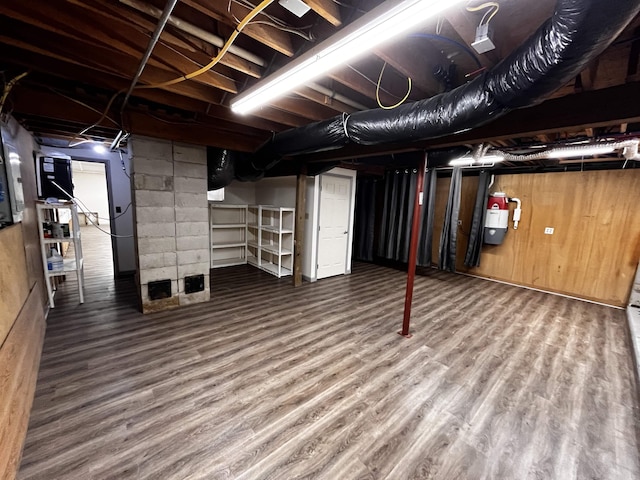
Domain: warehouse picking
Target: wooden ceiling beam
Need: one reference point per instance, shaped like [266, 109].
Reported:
[325, 100]
[327, 9]
[415, 62]
[270, 36]
[95, 55]
[49, 105]
[114, 66]
[186, 44]
[349, 78]
[303, 108]
[114, 83]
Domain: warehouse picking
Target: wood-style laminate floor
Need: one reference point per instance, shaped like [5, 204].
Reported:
[271, 382]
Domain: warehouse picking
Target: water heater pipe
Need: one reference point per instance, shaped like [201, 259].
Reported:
[516, 212]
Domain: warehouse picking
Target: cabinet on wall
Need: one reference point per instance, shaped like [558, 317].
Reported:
[270, 238]
[228, 234]
[64, 216]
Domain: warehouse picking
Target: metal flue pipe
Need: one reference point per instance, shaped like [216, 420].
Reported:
[152, 43]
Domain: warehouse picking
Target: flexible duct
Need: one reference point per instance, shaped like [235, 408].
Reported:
[577, 32]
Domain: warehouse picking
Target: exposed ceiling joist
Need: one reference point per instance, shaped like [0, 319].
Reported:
[265, 34]
[327, 9]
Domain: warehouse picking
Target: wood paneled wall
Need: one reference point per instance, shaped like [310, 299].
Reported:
[14, 283]
[22, 310]
[19, 362]
[595, 247]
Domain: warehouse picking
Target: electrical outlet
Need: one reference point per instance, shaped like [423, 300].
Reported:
[548, 230]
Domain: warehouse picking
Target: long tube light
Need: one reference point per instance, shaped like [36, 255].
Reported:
[581, 151]
[469, 160]
[382, 23]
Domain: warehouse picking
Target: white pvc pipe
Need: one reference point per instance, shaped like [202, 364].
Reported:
[240, 52]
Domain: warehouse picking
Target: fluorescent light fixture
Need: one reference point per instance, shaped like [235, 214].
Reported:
[99, 148]
[580, 151]
[379, 25]
[468, 160]
[462, 162]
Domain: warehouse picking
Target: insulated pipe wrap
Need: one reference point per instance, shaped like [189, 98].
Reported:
[577, 32]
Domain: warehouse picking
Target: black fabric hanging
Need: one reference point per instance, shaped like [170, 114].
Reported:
[449, 236]
[472, 258]
[384, 222]
[395, 227]
[425, 241]
[365, 218]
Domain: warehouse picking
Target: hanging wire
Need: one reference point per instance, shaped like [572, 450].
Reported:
[214, 61]
[489, 14]
[390, 107]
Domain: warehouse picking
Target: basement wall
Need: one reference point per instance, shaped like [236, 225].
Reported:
[595, 248]
[120, 185]
[171, 218]
[22, 311]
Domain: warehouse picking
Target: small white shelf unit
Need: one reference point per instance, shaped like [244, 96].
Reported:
[61, 212]
[270, 238]
[228, 234]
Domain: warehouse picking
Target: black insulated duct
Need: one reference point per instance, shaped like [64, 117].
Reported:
[577, 32]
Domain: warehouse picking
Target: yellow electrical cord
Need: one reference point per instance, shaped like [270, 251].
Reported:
[390, 107]
[250, 16]
[495, 5]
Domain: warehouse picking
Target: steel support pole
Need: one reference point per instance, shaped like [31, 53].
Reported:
[413, 251]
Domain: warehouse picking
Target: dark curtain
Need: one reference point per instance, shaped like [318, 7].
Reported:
[425, 241]
[366, 189]
[397, 216]
[472, 258]
[449, 236]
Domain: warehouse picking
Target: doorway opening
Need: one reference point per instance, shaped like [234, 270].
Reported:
[91, 192]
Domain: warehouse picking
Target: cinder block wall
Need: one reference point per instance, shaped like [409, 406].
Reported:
[171, 212]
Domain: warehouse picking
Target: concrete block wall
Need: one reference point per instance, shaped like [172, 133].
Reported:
[171, 211]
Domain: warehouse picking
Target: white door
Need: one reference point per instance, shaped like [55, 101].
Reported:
[333, 235]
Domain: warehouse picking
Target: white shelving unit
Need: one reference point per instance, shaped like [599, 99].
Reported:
[228, 234]
[57, 213]
[270, 238]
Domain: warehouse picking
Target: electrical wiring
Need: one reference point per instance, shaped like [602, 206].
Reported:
[87, 214]
[390, 107]
[275, 22]
[372, 82]
[489, 14]
[83, 104]
[461, 46]
[124, 169]
[306, 36]
[250, 16]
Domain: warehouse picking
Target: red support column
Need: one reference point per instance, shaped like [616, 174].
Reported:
[413, 251]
